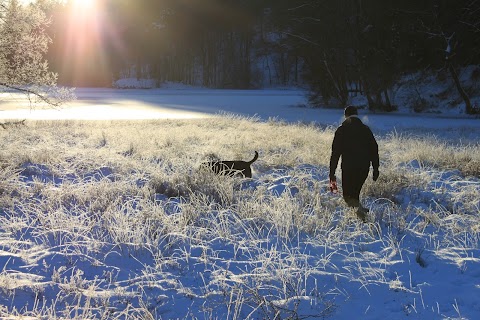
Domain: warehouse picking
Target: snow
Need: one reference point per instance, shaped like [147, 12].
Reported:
[183, 102]
[380, 280]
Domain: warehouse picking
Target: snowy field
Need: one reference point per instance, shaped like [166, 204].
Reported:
[178, 103]
[113, 219]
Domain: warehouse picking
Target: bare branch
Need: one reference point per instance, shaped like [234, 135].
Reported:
[299, 7]
[301, 38]
[8, 124]
[474, 27]
[42, 96]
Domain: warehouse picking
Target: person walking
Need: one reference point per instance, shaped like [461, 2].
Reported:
[355, 144]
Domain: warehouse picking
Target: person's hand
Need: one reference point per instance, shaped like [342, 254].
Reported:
[376, 173]
[333, 184]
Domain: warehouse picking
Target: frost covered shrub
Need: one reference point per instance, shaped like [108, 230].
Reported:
[420, 105]
[429, 151]
[23, 46]
[390, 182]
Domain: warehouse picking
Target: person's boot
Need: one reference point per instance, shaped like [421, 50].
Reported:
[362, 213]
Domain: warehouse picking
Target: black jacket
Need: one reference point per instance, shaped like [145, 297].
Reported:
[357, 146]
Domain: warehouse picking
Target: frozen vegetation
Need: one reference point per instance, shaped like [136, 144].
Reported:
[116, 219]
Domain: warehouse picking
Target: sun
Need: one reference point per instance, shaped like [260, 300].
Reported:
[78, 3]
[84, 32]
[86, 4]
[88, 36]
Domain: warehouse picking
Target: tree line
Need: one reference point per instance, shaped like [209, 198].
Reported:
[364, 46]
[336, 48]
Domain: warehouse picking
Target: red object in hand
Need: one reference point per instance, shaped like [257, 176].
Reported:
[333, 186]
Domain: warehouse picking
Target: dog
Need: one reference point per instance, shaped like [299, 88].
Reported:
[235, 168]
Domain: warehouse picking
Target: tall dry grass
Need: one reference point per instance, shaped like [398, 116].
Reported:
[113, 194]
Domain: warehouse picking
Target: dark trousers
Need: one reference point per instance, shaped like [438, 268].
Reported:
[352, 183]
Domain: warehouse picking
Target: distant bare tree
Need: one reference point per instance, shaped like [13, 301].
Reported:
[449, 55]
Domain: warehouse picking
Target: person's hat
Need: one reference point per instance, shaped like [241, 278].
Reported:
[350, 111]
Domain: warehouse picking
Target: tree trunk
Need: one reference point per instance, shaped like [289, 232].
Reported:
[366, 90]
[388, 103]
[340, 95]
[468, 104]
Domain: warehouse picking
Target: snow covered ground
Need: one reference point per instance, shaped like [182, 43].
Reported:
[188, 103]
[382, 270]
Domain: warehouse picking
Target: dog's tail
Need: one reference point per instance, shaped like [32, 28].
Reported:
[255, 157]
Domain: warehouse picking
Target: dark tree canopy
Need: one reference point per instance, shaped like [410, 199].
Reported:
[334, 47]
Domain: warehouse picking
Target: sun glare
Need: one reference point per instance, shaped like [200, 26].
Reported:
[85, 37]
[85, 4]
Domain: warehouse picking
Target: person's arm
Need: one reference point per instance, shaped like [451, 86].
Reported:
[374, 158]
[336, 153]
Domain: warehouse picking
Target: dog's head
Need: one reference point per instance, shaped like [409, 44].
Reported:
[212, 157]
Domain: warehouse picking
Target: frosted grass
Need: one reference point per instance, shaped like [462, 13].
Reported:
[116, 219]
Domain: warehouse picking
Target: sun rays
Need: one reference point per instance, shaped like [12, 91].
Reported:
[89, 33]
[86, 4]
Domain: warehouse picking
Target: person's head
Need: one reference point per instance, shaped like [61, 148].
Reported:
[350, 111]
